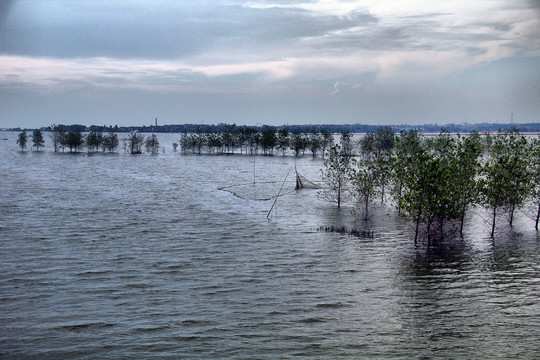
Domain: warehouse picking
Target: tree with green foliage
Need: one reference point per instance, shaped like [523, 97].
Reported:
[327, 141]
[62, 139]
[297, 142]
[55, 137]
[428, 194]
[37, 139]
[22, 139]
[408, 145]
[109, 142]
[466, 169]
[385, 138]
[315, 140]
[229, 137]
[534, 163]
[184, 142]
[367, 144]
[253, 140]
[93, 141]
[346, 143]
[215, 143]
[198, 140]
[268, 139]
[364, 187]
[336, 175]
[504, 183]
[383, 166]
[74, 140]
[136, 141]
[283, 140]
[152, 144]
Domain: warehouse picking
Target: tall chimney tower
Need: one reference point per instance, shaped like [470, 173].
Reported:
[156, 121]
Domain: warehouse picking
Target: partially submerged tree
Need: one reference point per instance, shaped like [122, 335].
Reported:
[74, 140]
[346, 143]
[327, 141]
[109, 142]
[93, 141]
[427, 192]
[505, 178]
[385, 138]
[283, 140]
[466, 169]
[408, 145]
[22, 139]
[314, 142]
[269, 139]
[297, 142]
[364, 188]
[336, 177]
[534, 163]
[136, 141]
[37, 139]
[152, 144]
[55, 137]
[367, 144]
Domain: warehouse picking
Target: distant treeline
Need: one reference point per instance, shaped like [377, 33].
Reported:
[250, 140]
[332, 128]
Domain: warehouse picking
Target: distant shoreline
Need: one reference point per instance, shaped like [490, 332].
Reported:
[332, 128]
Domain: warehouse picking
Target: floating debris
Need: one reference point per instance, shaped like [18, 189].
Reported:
[369, 234]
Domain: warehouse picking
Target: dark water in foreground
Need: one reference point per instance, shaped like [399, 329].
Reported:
[118, 256]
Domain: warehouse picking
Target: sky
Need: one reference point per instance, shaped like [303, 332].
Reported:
[379, 62]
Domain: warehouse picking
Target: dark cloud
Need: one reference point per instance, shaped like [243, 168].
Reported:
[161, 30]
[5, 7]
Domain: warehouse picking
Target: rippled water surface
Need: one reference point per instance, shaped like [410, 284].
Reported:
[120, 256]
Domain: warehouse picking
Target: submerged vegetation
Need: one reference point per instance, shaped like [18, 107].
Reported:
[369, 234]
[435, 181]
[75, 140]
[431, 181]
[249, 140]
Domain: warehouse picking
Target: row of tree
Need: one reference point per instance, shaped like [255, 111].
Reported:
[232, 139]
[435, 181]
[250, 140]
[93, 141]
[37, 139]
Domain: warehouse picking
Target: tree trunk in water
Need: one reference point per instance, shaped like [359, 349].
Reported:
[512, 208]
[399, 196]
[366, 214]
[339, 194]
[537, 217]
[416, 231]
[493, 223]
[429, 233]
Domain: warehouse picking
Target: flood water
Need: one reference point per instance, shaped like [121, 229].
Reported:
[143, 256]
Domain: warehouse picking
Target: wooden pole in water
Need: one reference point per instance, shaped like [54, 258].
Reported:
[269, 211]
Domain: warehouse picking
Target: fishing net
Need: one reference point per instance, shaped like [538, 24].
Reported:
[257, 191]
[268, 190]
[303, 183]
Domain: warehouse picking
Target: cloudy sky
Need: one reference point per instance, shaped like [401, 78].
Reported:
[127, 62]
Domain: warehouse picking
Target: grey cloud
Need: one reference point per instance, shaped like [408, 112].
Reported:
[162, 30]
